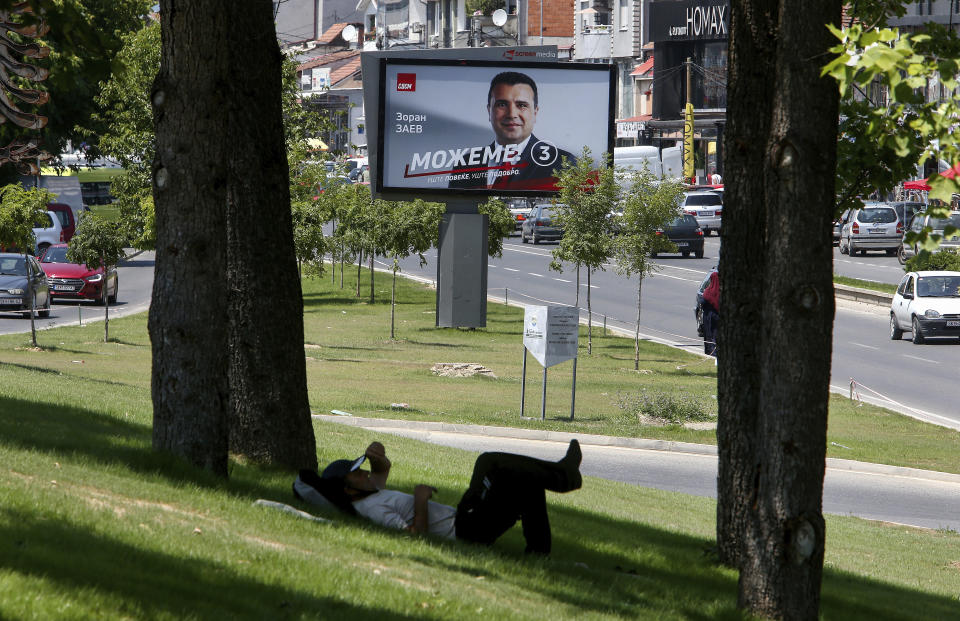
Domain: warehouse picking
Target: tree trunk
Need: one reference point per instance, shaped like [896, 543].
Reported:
[359, 266]
[781, 558]
[342, 252]
[393, 299]
[636, 336]
[589, 318]
[33, 301]
[106, 303]
[190, 177]
[270, 412]
[371, 254]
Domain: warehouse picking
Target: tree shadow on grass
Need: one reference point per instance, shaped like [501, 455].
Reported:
[151, 584]
[62, 431]
[61, 374]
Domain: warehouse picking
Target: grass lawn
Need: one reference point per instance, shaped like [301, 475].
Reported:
[865, 284]
[94, 525]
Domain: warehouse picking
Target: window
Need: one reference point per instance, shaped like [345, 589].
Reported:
[625, 14]
[585, 23]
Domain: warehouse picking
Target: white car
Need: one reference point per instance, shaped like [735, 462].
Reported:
[706, 207]
[48, 231]
[926, 304]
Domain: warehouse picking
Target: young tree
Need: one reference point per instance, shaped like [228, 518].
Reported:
[98, 244]
[411, 228]
[776, 268]
[587, 197]
[501, 225]
[648, 205]
[20, 209]
[225, 241]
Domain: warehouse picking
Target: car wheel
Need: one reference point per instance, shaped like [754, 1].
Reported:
[116, 292]
[698, 253]
[895, 332]
[901, 255]
[851, 249]
[892, 252]
[523, 238]
[102, 300]
[686, 255]
[844, 249]
[45, 311]
[536, 239]
[917, 335]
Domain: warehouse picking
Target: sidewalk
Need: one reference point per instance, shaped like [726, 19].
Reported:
[388, 424]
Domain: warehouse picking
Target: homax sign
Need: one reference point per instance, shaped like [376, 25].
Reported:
[689, 20]
[550, 333]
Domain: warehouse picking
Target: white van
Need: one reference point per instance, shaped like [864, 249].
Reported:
[635, 158]
[47, 231]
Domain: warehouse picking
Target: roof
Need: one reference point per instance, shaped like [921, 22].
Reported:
[643, 68]
[330, 59]
[332, 33]
[642, 117]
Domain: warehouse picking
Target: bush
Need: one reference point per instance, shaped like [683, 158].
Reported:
[944, 260]
[663, 406]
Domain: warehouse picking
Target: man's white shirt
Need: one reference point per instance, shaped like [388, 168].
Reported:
[518, 150]
[394, 509]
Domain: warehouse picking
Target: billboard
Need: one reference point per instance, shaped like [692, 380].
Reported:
[473, 127]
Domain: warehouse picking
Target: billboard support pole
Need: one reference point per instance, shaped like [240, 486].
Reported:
[523, 381]
[573, 389]
[543, 397]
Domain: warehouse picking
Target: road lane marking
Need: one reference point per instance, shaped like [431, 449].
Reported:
[676, 278]
[510, 269]
[862, 345]
[537, 275]
[921, 359]
[562, 280]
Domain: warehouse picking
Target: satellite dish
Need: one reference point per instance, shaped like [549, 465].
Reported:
[499, 17]
[349, 33]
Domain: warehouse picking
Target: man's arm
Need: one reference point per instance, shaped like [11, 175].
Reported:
[421, 510]
[379, 464]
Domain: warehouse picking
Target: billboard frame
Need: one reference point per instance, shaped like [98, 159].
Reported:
[478, 194]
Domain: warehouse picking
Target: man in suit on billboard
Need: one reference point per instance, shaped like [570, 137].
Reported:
[530, 163]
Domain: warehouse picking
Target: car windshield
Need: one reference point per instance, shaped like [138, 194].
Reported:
[55, 255]
[938, 286]
[13, 266]
[697, 200]
[877, 215]
[684, 221]
[63, 217]
[546, 214]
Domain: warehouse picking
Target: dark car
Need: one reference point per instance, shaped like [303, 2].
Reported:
[685, 234]
[73, 281]
[64, 213]
[539, 225]
[698, 309]
[16, 288]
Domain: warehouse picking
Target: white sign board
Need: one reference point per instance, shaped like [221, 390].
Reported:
[550, 333]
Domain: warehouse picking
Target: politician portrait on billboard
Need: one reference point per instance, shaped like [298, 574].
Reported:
[486, 128]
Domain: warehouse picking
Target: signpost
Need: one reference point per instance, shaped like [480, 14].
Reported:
[551, 334]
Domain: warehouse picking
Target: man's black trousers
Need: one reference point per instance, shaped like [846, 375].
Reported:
[505, 488]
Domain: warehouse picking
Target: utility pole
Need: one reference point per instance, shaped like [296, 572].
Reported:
[688, 125]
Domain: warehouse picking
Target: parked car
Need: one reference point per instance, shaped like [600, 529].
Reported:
[926, 304]
[538, 225]
[698, 309]
[874, 227]
[72, 281]
[519, 208]
[64, 213]
[906, 210]
[706, 207]
[16, 288]
[685, 234]
[937, 226]
[48, 231]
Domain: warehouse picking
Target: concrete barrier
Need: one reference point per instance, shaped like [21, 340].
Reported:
[867, 296]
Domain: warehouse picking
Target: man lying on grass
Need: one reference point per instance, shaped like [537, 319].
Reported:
[504, 488]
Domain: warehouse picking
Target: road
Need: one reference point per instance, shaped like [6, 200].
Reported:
[135, 287]
[898, 495]
[915, 380]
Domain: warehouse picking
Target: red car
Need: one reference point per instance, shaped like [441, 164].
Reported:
[70, 281]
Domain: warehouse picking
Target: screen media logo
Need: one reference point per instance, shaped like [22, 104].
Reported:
[407, 82]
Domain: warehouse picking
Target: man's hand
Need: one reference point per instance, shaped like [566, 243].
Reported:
[424, 492]
[379, 464]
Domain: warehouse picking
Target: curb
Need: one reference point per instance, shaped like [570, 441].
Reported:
[832, 463]
[866, 296]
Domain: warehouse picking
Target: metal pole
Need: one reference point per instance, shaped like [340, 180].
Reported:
[523, 380]
[541, 22]
[506, 302]
[79, 315]
[573, 390]
[543, 397]
[604, 332]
